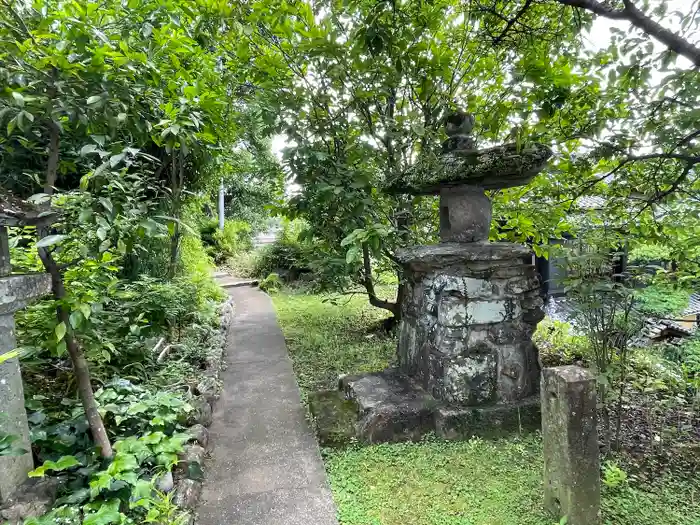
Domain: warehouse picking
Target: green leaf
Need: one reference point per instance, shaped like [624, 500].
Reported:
[106, 514]
[64, 463]
[93, 100]
[60, 331]
[107, 204]
[87, 149]
[76, 318]
[49, 240]
[86, 311]
[19, 99]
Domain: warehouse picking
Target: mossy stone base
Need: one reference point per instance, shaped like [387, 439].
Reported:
[335, 417]
[488, 421]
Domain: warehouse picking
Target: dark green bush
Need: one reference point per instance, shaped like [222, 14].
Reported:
[236, 237]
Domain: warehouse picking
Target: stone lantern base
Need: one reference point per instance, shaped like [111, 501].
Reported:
[468, 316]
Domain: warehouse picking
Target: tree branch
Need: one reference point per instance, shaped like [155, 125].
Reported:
[512, 21]
[639, 19]
[368, 283]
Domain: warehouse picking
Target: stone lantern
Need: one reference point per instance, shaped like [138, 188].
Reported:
[466, 361]
[16, 292]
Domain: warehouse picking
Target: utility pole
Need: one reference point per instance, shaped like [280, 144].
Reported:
[221, 205]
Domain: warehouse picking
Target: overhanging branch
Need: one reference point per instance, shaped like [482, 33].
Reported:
[639, 19]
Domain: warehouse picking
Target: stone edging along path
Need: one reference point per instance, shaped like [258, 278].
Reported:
[188, 476]
[266, 467]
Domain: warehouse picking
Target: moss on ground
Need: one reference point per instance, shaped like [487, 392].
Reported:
[434, 482]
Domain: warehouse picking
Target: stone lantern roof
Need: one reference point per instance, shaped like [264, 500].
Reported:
[461, 164]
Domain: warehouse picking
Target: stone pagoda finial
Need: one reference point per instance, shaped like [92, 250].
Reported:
[459, 126]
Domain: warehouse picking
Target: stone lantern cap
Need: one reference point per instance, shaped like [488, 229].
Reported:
[461, 164]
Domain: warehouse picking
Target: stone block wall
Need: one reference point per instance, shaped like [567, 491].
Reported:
[469, 313]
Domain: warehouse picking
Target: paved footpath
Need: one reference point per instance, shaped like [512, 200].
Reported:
[265, 467]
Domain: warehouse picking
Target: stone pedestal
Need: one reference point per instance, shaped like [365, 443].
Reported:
[468, 315]
[15, 293]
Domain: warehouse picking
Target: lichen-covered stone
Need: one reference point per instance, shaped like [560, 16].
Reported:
[493, 168]
[390, 406]
[187, 494]
[209, 388]
[465, 214]
[33, 498]
[202, 413]
[200, 434]
[335, 417]
[487, 421]
[191, 463]
[570, 440]
[18, 291]
[467, 319]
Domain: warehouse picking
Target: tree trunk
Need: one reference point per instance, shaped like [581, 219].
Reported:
[177, 176]
[52, 164]
[80, 364]
[634, 15]
[368, 283]
[174, 251]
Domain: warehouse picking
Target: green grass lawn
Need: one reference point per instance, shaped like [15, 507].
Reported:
[436, 482]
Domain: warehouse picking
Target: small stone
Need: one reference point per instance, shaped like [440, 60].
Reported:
[191, 464]
[209, 388]
[33, 498]
[187, 494]
[202, 413]
[200, 434]
[165, 482]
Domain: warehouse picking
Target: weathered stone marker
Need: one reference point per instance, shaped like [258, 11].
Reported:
[16, 291]
[571, 454]
[466, 362]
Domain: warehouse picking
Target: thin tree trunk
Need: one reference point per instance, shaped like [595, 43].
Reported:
[176, 183]
[52, 164]
[368, 283]
[80, 364]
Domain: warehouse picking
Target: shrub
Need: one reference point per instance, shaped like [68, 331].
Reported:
[236, 237]
[289, 256]
[271, 283]
[557, 344]
[198, 268]
[662, 299]
[687, 355]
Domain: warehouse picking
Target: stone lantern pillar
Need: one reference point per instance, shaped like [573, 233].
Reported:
[16, 291]
[466, 361]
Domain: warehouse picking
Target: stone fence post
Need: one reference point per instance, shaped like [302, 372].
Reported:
[16, 292]
[570, 435]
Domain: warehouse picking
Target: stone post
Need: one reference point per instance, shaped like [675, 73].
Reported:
[15, 293]
[571, 454]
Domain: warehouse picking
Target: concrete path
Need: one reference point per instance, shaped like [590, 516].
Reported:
[265, 467]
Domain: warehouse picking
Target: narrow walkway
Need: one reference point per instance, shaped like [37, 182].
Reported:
[265, 468]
